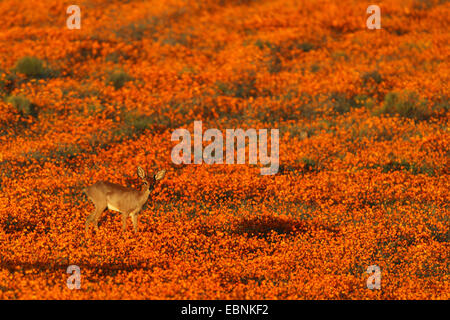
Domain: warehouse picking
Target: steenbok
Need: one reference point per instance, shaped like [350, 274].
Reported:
[127, 201]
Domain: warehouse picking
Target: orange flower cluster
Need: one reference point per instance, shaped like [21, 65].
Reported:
[364, 149]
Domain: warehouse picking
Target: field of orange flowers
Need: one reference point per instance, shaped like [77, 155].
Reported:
[364, 148]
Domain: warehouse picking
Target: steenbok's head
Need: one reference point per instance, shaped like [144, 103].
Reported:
[158, 176]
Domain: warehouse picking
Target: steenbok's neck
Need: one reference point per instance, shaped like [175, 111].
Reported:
[145, 192]
[149, 187]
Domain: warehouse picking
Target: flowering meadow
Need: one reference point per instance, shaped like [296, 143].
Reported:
[363, 177]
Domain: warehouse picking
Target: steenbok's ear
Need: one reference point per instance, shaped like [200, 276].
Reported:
[141, 173]
[160, 174]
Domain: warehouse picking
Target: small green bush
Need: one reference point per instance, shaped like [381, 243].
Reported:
[305, 46]
[413, 168]
[138, 122]
[22, 104]
[374, 76]
[340, 102]
[338, 55]
[406, 104]
[242, 88]
[315, 67]
[274, 64]
[66, 152]
[95, 108]
[442, 105]
[32, 67]
[363, 100]
[118, 78]
[134, 124]
[310, 165]
[426, 4]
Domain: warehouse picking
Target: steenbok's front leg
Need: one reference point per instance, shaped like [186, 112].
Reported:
[134, 219]
[93, 218]
[90, 219]
[124, 221]
[97, 216]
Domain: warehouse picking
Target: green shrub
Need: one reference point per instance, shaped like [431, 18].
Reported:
[32, 67]
[374, 76]
[134, 124]
[234, 2]
[406, 104]
[146, 28]
[173, 39]
[66, 152]
[315, 67]
[305, 46]
[2, 82]
[274, 64]
[338, 55]
[295, 131]
[426, 4]
[95, 108]
[413, 168]
[442, 105]
[310, 165]
[22, 104]
[140, 123]
[363, 101]
[112, 57]
[118, 78]
[242, 88]
[341, 103]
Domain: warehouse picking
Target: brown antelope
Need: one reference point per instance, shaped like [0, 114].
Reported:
[127, 201]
